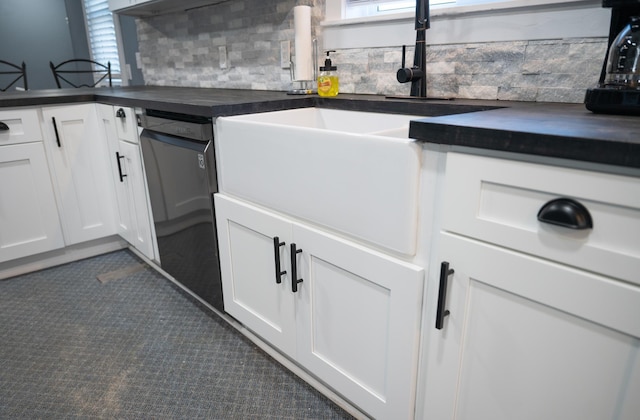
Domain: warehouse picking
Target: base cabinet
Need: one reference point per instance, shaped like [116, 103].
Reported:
[526, 331]
[528, 339]
[133, 218]
[80, 172]
[353, 318]
[29, 221]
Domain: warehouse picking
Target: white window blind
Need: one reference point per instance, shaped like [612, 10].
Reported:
[102, 35]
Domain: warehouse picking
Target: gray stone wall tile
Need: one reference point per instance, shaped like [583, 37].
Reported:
[182, 49]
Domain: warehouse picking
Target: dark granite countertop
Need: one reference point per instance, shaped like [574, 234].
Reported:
[566, 131]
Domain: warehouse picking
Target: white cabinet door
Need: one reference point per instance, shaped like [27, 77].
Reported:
[354, 319]
[248, 255]
[29, 222]
[124, 222]
[133, 217]
[358, 314]
[527, 338]
[133, 180]
[80, 171]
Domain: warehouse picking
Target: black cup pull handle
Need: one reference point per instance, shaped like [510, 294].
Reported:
[55, 130]
[294, 268]
[276, 251]
[441, 313]
[3, 126]
[118, 157]
[566, 212]
[120, 113]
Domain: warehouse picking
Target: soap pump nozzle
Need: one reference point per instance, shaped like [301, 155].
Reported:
[327, 63]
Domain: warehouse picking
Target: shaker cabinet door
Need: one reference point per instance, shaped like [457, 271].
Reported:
[131, 165]
[528, 338]
[29, 222]
[248, 255]
[80, 171]
[358, 314]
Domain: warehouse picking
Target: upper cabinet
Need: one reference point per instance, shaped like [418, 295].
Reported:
[156, 7]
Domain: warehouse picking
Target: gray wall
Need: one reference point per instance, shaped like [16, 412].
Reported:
[130, 45]
[39, 31]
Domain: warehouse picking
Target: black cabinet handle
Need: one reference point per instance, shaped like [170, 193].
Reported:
[441, 313]
[120, 113]
[276, 250]
[567, 213]
[55, 130]
[3, 126]
[294, 268]
[118, 157]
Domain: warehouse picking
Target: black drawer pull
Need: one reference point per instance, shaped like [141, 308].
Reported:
[441, 313]
[118, 157]
[55, 130]
[3, 126]
[294, 268]
[276, 250]
[567, 213]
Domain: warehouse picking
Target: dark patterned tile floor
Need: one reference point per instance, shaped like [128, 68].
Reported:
[136, 347]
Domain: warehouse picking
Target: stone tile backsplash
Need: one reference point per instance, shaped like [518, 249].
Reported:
[182, 49]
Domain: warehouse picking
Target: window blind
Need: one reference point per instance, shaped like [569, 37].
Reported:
[102, 34]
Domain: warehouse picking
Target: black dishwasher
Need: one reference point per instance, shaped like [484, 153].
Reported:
[179, 161]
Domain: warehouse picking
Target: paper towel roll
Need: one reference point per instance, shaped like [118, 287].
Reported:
[303, 48]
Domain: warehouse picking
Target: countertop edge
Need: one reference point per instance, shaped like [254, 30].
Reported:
[565, 131]
[574, 148]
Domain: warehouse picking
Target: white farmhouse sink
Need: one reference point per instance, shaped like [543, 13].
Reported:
[333, 119]
[354, 172]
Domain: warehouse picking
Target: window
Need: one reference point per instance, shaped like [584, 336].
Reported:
[361, 8]
[102, 36]
[463, 21]
[353, 9]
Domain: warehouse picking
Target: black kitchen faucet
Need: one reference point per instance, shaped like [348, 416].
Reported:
[417, 74]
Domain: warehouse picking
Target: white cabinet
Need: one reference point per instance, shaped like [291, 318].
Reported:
[156, 7]
[29, 222]
[353, 321]
[19, 125]
[131, 205]
[543, 321]
[80, 172]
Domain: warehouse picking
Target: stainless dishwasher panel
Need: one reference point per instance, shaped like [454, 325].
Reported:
[181, 180]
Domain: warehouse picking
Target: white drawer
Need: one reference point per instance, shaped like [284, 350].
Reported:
[23, 126]
[498, 200]
[126, 124]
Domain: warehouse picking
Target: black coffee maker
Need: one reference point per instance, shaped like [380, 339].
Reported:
[618, 90]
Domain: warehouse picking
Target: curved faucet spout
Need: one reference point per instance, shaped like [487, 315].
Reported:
[417, 74]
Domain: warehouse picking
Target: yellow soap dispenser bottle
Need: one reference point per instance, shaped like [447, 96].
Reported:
[328, 78]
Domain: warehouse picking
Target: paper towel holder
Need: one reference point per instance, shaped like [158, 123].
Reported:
[307, 87]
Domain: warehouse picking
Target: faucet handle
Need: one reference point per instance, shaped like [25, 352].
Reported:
[406, 74]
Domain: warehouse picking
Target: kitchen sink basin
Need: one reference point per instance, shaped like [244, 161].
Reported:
[350, 171]
[334, 120]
